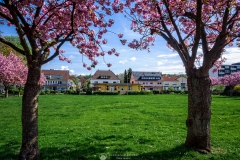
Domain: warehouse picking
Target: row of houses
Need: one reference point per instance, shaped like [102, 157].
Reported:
[107, 80]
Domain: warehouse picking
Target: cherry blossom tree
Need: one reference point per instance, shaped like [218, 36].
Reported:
[13, 71]
[231, 81]
[215, 81]
[45, 24]
[187, 26]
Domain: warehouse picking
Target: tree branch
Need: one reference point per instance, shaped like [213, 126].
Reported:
[13, 46]
[58, 47]
[197, 37]
[175, 45]
[175, 27]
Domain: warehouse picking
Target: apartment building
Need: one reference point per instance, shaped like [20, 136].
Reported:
[148, 80]
[229, 69]
[57, 80]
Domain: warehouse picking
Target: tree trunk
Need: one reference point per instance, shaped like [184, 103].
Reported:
[19, 92]
[199, 114]
[29, 149]
[6, 91]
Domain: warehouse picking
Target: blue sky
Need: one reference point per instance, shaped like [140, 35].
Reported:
[161, 58]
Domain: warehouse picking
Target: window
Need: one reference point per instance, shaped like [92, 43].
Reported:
[227, 71]
[166, 83]
[122, 88]
[129, 87]
[174, 83]
[159, 83]
[151, 82]
[114, 82]
[107, 87]
[95, 81]
[146, 82]
[105, 81]
[226, 66]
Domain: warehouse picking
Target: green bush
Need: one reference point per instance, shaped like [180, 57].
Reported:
[47, 91]
[105, 93]
[139, 92]
[157, 92]
[42, 92]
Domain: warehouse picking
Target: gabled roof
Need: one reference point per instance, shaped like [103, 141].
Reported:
[63, 73]
[172, 78]
[107, 73]
[236, 63]
[139, 74]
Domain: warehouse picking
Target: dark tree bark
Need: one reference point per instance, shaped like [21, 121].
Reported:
[6, 90]
[199, 113]
[29, 149]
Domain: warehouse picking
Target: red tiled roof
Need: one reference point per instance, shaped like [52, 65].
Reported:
[109, 73]
[64, 73]
[173, 78]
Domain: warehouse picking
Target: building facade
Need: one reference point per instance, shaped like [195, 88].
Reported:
[148, 80]
[56, 80]
[176, 82]
[122, 88]
[228, 69]
[104, 76]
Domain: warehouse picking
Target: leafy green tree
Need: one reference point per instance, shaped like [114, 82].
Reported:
[129, 73]
[125, 76]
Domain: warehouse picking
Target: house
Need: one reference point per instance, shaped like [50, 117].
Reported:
[148, 80]
[228, 69]
[57, 80]
[177, 82]
[122, 88]
[81, 81]
[182, 83]
[104, 76]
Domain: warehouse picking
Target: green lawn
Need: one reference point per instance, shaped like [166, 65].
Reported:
[123, 127]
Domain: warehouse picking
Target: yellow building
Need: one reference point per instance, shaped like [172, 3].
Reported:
[117, 87]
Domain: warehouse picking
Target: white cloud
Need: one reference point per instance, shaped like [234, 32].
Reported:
[160, 63]
[123, 61]
[71, 57]
[125, 50]
[66, 68]
[133, 58]
[71, 71]
[168, 55]
[232, 55]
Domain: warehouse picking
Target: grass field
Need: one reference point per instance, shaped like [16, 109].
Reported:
[121, 127]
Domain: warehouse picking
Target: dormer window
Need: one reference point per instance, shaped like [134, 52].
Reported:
[104, 77]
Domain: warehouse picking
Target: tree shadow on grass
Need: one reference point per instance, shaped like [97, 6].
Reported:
[174, 153]
[86, 151]
[224, 97]
[10, 150]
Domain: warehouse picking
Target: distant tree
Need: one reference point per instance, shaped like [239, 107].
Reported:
[129, 73]
[121, 77]
[237, 88]
[13, 71]
[231, 81]
[5, 49]
[86, 76]
[125, 76]
[75, 79]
